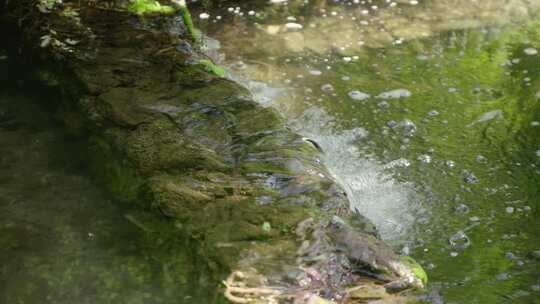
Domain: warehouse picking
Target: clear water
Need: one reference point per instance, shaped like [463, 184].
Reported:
[62, 239]
[443, 155]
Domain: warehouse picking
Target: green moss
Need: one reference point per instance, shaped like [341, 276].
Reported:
[144, 7]
[211, 67]
[416, 268]
[118, 176]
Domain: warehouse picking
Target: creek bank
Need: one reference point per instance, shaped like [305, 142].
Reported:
[167, 132]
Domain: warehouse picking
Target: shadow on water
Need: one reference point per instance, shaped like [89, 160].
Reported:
[62, 239]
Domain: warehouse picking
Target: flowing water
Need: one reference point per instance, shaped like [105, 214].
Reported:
[429, 116]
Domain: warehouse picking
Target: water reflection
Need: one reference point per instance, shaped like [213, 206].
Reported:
[428, 115]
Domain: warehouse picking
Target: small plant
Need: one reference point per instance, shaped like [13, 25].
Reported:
[46, 6]
[143, 7]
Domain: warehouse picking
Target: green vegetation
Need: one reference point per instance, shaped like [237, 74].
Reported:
[143, 7]
[212, 67]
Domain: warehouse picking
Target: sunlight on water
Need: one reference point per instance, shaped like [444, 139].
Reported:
[427, 115]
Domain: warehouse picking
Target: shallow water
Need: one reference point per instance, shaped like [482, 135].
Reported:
[429, 116]
[62, 239]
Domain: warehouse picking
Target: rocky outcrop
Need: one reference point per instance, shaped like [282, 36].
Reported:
[166, 132]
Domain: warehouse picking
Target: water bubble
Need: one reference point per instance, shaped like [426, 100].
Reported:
[433, 113]
[383, 105]
[422, 57]
[327, 88]
[491, 115]
[461, 209]
[293, 26]
[357, 95]
[530, 51]
[395, 94]
[406, 125]
[459, 240]
[405, 250]
[474, 219]
[392, 123]
[469, 177]
[481, 159]
[424, 158]
[510, 255]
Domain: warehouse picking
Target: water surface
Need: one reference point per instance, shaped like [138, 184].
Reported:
[429, 116]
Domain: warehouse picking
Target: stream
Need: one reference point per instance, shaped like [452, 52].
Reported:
[428, 113]
[429, 116]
